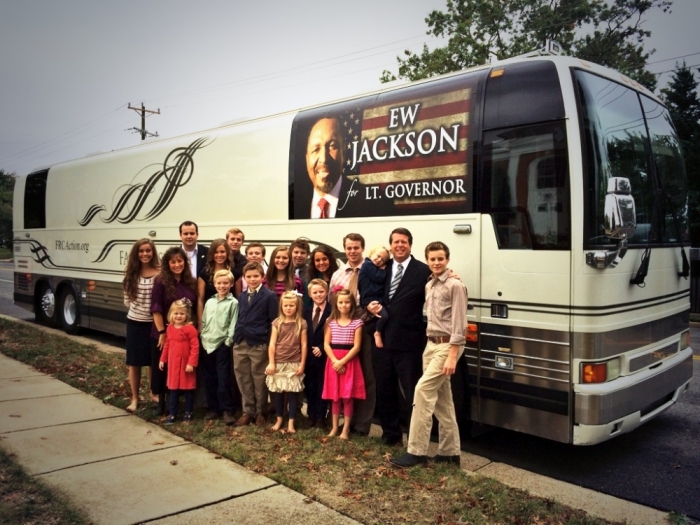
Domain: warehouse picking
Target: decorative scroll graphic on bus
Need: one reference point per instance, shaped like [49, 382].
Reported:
[399, 153]
[41, 255]
[157, 192]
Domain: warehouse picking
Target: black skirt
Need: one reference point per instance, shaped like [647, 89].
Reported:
[138, 343]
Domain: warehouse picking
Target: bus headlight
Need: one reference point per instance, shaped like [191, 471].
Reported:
[600, 372]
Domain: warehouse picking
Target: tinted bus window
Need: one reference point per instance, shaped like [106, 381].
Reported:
[35, 200]
[526, 187]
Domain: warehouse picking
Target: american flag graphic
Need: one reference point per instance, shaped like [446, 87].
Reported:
[436, 112]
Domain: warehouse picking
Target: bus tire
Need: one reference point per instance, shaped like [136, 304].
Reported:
[68, 311]
[45, 309]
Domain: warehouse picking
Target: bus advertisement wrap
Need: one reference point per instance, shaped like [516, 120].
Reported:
[398, 153]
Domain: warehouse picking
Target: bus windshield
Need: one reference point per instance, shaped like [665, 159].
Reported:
[626, 134]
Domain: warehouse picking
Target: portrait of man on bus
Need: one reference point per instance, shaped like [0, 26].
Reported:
[324, 164]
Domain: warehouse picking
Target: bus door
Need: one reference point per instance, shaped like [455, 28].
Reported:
[520, 375]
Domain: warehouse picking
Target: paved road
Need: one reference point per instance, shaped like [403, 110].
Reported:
[656, 465]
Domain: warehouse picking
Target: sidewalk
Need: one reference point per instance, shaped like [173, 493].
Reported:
[121, 469]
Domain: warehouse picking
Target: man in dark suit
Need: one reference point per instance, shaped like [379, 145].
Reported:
[316, 316]
[399, 362]
[197, 253]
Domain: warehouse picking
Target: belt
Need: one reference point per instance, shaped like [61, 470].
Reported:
[439, 339]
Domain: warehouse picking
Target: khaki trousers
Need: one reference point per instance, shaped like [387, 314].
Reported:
[249, 363]
[433, 395]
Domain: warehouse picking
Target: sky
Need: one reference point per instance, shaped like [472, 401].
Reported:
[69, 69]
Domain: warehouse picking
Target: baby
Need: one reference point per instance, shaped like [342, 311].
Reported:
[371, 286]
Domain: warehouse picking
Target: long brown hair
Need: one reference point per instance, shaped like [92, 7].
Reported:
[167, 277]
[271, 276]
[210, 264]
[311, 271]
[335, 314]
[130, 284]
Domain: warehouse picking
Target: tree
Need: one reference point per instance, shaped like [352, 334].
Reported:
[681, 97]
[479, 29]
[7, 184]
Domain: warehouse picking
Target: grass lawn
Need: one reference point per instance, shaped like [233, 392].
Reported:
[5, 253]
[23, 499]
[353, 477]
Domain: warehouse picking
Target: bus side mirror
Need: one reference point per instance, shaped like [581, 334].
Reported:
[620, 223]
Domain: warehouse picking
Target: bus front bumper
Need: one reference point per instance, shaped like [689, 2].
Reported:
[606, 410]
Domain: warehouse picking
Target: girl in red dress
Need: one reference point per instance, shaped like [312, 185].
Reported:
[181, 351]
[343, 378]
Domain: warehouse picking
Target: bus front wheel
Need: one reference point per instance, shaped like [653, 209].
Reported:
[45, 310]
[68, 311]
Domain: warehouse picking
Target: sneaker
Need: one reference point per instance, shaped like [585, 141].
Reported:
[260, 420]
[170, 420]
[187, 417]
[408, 460]
[228, 418]
[455, 460]
[245, 419]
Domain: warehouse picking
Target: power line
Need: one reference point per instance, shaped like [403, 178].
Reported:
[674, 58]
[65, 134]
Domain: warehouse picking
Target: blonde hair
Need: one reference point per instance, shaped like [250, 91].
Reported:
[223, 273]
[317, 282]
[377, 248]
[298, 316]
[180, 304]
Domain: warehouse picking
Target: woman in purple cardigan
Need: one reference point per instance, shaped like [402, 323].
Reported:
[174, 282]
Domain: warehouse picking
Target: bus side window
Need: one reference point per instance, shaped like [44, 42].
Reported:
[35, 200]
[526, 187]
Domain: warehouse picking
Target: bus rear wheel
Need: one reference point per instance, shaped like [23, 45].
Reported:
[45, 311]
[68, 311]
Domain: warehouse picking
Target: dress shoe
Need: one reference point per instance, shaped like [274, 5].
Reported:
[211, 416]
[245, 419]
[409, 460]
[260, 420]
[455, 460]
[390, 442]
[228, 418]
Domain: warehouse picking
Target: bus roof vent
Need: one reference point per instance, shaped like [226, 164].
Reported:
[550, 48]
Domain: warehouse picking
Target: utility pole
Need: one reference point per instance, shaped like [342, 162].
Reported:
[142, 110]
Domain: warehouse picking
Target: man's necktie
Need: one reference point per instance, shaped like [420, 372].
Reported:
[316, 319]
[251, 295]
[352, 283]
[396, 280]
[323, 204]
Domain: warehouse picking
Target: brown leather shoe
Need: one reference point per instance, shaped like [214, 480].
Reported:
[228, 418]
[245, 419]
[260, 420]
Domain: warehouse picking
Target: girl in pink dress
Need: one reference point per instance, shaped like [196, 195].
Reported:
[181, 352]
[343, 378]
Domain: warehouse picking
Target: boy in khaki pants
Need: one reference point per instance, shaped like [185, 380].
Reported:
[446, 309]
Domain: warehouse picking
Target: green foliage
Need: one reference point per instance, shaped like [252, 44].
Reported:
[681, 97]
[7, 184]
[477, 29]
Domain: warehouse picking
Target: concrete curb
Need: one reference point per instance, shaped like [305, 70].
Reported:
[590, 501]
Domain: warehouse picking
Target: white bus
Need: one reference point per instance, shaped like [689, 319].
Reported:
[558, 185]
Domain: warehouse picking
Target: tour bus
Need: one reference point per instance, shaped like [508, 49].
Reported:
[557, 184]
